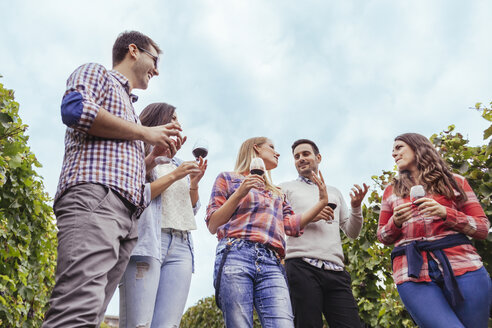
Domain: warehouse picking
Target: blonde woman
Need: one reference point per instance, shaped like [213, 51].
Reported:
[251, 218]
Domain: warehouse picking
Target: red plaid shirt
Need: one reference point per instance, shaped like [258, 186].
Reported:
[118, 164]
[260, 216]
[461, 217]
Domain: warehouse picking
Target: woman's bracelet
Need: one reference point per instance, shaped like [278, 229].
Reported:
[194, 188]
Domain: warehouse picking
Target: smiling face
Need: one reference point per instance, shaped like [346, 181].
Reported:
[266, 151]
[145, 68]
[305, 160]
[404, 157]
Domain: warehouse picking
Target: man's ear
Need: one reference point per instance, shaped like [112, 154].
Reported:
[318, 158]
[132, 51]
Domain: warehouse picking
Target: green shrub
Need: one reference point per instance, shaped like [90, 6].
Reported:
[27, 230]
[369, 261]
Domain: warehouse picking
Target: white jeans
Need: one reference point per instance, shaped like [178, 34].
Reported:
[154, 292]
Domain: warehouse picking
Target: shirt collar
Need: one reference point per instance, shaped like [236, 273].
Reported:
[125, 83]
[304, 179]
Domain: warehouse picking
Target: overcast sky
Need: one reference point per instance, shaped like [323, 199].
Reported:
[350, 75]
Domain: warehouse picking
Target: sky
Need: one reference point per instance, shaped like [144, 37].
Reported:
[350, 75]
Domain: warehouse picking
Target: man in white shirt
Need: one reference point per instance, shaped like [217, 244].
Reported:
[318, 282]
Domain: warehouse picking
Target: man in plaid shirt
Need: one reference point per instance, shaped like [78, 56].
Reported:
[102, 188]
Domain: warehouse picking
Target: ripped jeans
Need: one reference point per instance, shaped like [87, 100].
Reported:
[252, 276]
[153, 294]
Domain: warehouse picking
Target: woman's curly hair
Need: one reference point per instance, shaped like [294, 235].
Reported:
[433, 172]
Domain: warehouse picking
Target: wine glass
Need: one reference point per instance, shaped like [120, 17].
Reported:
[257, 166]
[416, 192]
[200, 149]
[333, 206]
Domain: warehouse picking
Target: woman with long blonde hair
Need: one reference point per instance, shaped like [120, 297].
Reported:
[429, 213]
[251, 217]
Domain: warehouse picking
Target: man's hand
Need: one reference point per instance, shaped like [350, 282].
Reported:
[357, 195]
[161, 136]
[326, 214]
[320, 182]
[168, 152]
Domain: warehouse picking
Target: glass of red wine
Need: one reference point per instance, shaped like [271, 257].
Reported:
[416, 192]
[200, 149]
[257, 166]
[333, 206]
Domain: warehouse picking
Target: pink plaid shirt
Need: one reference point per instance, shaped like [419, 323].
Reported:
[462, 217]
[118, 164]
[260, 217]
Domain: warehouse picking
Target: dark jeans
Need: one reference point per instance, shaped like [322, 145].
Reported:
[428, 302]
[315, 291]
[96, 234]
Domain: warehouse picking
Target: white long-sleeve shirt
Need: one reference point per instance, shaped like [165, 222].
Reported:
[320, 240]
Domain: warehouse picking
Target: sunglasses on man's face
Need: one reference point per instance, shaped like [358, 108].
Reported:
[155, 58]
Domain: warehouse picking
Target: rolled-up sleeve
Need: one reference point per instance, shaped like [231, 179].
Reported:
[218, 196]
[388, 233]
[469, 218]
[292, 221]
[83, 96]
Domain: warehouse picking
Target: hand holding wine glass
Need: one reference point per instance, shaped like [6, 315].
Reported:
[196, 176]
[427, 206]
[200, 149]
[257, 166]
[416, 192]
[163, 155]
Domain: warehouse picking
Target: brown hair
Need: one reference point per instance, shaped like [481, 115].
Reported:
[305, 141]
[156, 114]
[433, 172]
[120, 47]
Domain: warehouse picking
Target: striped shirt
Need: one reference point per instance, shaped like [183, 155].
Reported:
[260, 216]
[321, 264]
[118, 164]
[462, 217]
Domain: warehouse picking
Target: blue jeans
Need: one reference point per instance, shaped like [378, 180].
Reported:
[252, 276]
[155, 293]
[428, 303]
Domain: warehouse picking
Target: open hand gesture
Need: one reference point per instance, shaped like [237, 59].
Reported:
[357, 195]
[320, 182]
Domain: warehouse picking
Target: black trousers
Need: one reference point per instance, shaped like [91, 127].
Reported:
[315, 291]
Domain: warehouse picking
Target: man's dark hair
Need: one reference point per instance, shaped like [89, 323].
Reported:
[307, 141]
[120, 47]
